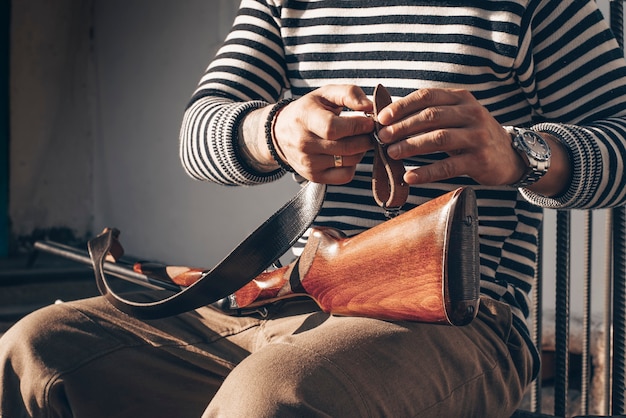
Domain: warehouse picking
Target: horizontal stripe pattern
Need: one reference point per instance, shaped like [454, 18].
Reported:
[551, 65]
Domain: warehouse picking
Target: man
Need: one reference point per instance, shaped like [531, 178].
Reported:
[473, 82]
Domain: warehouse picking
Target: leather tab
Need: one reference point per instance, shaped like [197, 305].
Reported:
[388, 186]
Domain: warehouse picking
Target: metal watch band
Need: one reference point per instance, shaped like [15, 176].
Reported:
[537, 168]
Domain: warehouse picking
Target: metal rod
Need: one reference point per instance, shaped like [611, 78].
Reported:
[619, 312]
[586, 357]
[113, 269]
[537, 309]
[618, 405]
[562, 312]
[608, 313]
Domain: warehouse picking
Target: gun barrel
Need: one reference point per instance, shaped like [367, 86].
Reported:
[116, 270]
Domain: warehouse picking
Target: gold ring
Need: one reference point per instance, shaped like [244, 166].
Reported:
[338, 159]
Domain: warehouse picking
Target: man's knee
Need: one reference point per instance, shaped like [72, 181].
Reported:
[24, 349]
[31, 333]
[284, 380]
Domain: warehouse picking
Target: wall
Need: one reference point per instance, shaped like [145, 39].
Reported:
[51, 94]
[97, 94]
[5, 39]
[145, 75]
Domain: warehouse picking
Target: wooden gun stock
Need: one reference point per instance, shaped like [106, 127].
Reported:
[421, 266]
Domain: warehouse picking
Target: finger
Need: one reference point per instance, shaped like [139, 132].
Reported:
[320, 163]
[335, 98]
[420, 100]
[330, 174]
[354, 124]
[339, 96]
[341, 127]
[341, 161]
[326, 125]
[451, 141]
[352, 145]
[340, 175]
[447, 168]
[429, 119]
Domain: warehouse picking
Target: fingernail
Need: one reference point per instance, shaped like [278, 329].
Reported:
[384, 116]
[411, 177]
[383, 135]
[393, 151]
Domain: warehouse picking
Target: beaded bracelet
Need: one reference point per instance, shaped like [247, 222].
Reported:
[269, 133]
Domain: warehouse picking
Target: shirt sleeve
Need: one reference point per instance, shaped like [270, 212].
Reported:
[247, 73]
[577, 83]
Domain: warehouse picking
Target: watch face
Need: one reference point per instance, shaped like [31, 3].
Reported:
[535, 145]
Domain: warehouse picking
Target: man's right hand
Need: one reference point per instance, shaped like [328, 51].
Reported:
[312, 135]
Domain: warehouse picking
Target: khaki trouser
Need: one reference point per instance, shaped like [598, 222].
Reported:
[85, 359]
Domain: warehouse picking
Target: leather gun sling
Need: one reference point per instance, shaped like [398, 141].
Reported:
[388, 186]
[260, 249]
[249, 259]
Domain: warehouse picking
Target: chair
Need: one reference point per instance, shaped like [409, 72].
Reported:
[613, 322]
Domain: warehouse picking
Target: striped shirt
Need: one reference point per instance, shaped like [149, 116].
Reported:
[551, 65]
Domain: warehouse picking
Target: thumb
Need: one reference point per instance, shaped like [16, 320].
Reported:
[345, 96]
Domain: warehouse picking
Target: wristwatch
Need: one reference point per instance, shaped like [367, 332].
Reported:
[534, 150]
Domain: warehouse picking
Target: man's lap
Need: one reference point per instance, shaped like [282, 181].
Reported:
[87, 349]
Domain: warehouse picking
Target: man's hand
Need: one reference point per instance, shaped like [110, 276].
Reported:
[310, 132]
[454, 122]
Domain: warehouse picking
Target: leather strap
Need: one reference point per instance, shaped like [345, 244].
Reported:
[390, 190]
[249, 259]
[261, 248]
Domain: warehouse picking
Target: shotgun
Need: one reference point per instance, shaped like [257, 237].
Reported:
[422, 265]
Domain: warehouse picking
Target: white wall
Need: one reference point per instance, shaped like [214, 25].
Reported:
[149, 57]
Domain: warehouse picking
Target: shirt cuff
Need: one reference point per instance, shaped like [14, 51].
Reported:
[586, 162]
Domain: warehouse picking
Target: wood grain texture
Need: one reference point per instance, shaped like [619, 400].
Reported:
[396, 270]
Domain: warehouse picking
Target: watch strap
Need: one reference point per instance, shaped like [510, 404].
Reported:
[535, 169]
